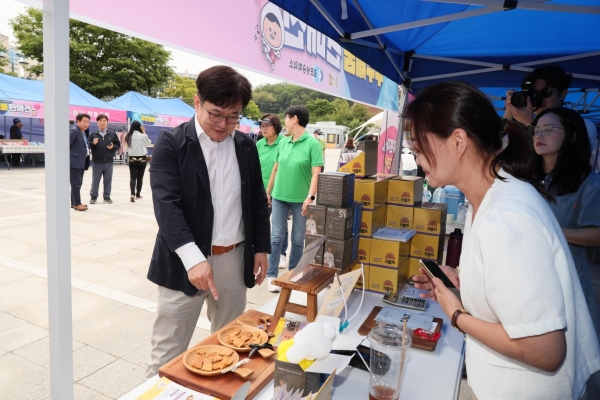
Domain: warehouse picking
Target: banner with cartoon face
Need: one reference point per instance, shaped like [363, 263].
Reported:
[256, 35]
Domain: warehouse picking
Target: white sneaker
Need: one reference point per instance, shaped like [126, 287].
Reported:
[273, 288]
[282, 262]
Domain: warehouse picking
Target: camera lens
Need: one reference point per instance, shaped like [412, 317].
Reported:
[519, 99]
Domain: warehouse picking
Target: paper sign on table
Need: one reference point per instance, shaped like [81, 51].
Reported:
[334, 302]
[394, 315]
[333, 362]
[167, 389]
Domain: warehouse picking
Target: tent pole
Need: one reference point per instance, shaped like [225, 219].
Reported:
[529, 5]
[58, 234]
[397, 163]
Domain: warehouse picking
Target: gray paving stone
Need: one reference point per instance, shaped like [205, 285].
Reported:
[21, 336]
[115, 379]
[39, 352]
[81, 392]
[88, 360]
[21, 292]
[8, 322]
[8, 275]
[24, 379]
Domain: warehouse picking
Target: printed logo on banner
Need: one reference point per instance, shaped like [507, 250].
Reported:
[17, 108]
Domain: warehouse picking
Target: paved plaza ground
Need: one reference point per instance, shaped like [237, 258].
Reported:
[113, 302]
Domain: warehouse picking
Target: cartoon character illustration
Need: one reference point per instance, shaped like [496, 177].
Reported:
[271, 28]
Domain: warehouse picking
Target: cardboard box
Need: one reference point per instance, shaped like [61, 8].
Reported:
[399, 216]
[319, 256]
[316, 220]
[296, 378]
[430, 218]
[405, 190]
[413, 266]
[335, 189]
[360, 282]
[340, 222]
[364, 250]
[372, 220]
[338, 253]
[365, 164]
[388, 253]
[383, 279]
[355, 242]
[371, 192]
[427, 246]
[358, 210]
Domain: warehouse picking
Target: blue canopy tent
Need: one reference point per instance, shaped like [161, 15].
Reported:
[148, 110]
[17, 90]
[489, 43]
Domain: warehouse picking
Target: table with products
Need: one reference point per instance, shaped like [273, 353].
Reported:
[22, 149]
[429, 375]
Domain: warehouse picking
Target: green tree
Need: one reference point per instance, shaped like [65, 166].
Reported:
[319, 109]
[102, 62]
[183, 88]
[252, 110]
[276, 98]
[3, 57]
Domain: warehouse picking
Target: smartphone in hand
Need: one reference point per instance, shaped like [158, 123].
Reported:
[434, 271]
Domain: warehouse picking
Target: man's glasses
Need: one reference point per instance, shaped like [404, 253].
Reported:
[218, 117]
[544, 130]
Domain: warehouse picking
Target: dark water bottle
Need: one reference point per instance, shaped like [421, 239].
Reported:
[454, 248]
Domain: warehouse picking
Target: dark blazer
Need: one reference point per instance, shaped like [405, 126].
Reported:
[184, 210]
[78, 150]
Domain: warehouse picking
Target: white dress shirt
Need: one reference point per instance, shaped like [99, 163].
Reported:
[517, 270]
[226, 196]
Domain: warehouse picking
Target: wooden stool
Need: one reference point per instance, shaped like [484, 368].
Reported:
[311, 288]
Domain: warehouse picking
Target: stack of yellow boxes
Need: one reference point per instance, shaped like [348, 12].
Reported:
[429, 220]
[372, 193]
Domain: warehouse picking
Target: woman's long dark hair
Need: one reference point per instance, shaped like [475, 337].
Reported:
[441, 108]
[135, 126]
[573, 161]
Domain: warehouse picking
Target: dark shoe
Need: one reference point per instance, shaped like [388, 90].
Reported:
[93, 200]
[108, 200]
[72, 206]
[80, 207]
[132, 198]
[139, 197]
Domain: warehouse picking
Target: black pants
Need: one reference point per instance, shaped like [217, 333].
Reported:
[137, 167]
[76, 180]
[15, 159]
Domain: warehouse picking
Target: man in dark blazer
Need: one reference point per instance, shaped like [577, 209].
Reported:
[77, 157]
[212, 214]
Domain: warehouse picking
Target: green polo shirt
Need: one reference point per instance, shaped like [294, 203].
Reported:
[294, 172]
[266, 154]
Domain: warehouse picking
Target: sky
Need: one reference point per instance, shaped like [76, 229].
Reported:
[180, 60]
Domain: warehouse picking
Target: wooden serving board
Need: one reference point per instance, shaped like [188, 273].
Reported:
[417, 341]
[224, 386]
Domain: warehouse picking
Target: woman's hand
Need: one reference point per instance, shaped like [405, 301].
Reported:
[444, 296]
[426, 284]
[305, 205]
[269, 199]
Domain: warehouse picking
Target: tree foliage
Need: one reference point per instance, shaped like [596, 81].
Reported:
[183, 88]
[3, 60]
[252, 110]
[319, 109]
[102, 62]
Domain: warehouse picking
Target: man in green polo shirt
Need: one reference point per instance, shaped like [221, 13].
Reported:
[293, 185]
[270, 128]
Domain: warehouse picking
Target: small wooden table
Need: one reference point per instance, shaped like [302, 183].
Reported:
[311, 288]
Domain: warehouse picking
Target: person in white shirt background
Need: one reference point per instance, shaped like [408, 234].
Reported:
[311, 225]
[528, 331]
[328, 259]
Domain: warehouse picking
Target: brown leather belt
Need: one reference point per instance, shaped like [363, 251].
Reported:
[218, 250]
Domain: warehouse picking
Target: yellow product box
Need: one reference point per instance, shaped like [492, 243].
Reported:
[372, 220]
[427, 246]
[388, 253]
[359, 283]
[364, 250]
[430, 218]
[413, 266]
[365, 163]
[405, 190]
[399, 216]
[383, 279]
[371, 192]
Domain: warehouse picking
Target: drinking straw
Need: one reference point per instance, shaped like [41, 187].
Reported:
[403, 353]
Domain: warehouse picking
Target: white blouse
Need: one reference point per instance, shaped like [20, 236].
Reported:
[516, 269]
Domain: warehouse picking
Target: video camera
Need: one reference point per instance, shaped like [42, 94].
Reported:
[519, 99]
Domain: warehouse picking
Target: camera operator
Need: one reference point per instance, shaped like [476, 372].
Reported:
[544, 88]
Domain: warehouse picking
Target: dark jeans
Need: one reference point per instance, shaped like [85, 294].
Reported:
[285, 241]
[104, 170]
[15, 159]
[137, 167]
[76, 178]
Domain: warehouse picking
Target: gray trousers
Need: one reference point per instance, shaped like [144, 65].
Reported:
[177, 313]
[101, 169]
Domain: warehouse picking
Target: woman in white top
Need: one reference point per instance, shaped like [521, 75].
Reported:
[137, 142]
[528, 330]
